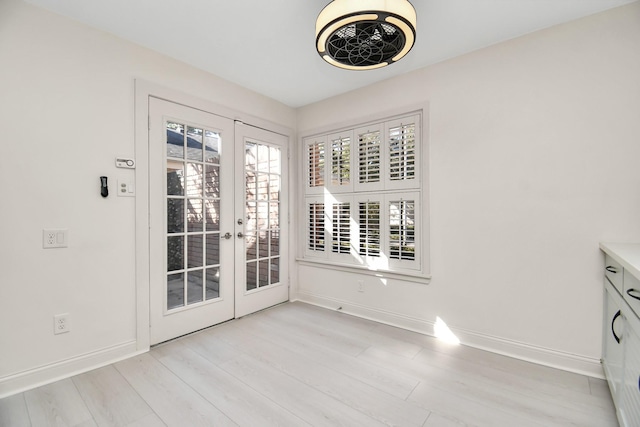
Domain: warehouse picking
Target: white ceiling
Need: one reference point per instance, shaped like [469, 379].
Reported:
[268, 45]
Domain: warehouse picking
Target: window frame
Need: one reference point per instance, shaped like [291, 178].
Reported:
[383, 191]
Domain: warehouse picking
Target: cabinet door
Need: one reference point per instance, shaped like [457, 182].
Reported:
[630, 403]
[613, 328]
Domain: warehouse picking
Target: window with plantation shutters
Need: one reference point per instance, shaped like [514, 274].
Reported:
[364, 197]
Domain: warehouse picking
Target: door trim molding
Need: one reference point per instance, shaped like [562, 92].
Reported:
[143, 90]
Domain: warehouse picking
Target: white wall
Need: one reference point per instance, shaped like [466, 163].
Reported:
[66, 111]
[534, 159]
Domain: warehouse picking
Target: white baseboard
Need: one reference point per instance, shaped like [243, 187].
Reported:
[519, 350]
[46, 374]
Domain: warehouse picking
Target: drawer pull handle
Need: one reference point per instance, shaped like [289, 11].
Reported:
[611, 269]
[629, 292]
[613, 331]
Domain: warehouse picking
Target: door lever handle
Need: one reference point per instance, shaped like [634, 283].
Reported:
[240, 235]
[227, 236]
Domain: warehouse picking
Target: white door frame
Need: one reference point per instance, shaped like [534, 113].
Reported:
[143, 90]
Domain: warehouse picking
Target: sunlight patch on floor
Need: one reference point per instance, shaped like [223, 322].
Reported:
[443, 333]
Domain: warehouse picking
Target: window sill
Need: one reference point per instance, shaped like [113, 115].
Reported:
[383, 274]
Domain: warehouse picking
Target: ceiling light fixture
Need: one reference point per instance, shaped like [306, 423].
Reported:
[365, 34]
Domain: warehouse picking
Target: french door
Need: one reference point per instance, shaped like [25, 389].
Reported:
[215, 202]
[261, 261]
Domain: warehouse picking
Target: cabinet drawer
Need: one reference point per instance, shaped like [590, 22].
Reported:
[613, 271]
[631, 292]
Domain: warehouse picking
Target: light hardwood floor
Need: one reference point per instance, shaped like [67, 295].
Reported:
[300, 365]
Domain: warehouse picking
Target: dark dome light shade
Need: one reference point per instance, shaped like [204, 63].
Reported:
[365, 34]
[365, 43]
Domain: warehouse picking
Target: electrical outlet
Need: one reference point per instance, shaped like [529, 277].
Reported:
[54, 238]
[61, 323]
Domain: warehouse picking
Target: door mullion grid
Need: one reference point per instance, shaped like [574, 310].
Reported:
[185, 246]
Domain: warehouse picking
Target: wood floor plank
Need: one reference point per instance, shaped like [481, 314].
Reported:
[600, 388]
[311, 405]
[57, 404]
[375, 403]
[572, 393]
[151, 420]
[361, 330]
[206, 344]
[87, 423]
[242, 404]
[13, 411]
[170, 398]
[468, 411]
[308, 310]
[523, 368]
[350, 345]
[497, 361]
[509, 397]
[110, 398]
[438, 420]
[383, 379]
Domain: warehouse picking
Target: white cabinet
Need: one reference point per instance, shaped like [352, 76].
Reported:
[621, 329]
[629, 394]
[613, 328]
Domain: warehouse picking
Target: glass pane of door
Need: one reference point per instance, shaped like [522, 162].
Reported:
[192, 202]
[263, 178]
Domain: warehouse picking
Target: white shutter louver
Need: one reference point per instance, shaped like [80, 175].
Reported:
[369, 235]
[316, 227]
[316, 164]
[341, 233]
[369, 157]
[402, 152]
[402, 242]
[341, 161]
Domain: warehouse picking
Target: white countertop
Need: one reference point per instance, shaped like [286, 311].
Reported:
[627, 254]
